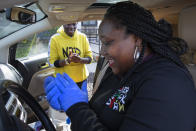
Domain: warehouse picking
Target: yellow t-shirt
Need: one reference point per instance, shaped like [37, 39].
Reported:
[59, 48]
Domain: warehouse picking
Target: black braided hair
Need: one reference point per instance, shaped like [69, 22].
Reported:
[156, 35]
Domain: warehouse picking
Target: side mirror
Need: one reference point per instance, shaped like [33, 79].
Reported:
[21, 15]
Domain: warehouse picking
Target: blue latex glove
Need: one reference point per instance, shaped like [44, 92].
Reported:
[47, 80]
[52, 92]
[70, 92]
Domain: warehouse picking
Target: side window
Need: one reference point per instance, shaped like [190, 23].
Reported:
[35, 44]
[89, 23]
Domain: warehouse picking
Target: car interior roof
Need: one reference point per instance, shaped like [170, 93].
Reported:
[76, 10]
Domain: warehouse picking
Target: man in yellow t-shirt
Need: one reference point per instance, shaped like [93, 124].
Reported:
[69, 51]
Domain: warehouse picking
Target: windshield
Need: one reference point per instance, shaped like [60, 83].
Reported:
[8, 27]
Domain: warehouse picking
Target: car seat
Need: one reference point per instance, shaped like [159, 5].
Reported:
[187, 31]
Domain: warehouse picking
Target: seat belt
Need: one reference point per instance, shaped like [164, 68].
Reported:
[100, 75]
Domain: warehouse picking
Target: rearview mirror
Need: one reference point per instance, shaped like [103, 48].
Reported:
[21, 15]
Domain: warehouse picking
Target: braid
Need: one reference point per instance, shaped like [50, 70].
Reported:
[167, 52]
[140, 22]
[137, 20]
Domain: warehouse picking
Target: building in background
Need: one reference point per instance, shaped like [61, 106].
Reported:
[90, 28]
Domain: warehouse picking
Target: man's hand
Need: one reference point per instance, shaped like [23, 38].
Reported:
[75, 58]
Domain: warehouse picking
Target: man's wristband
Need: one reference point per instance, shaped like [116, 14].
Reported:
[66, 61]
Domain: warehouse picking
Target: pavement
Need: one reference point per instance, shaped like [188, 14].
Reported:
[91, 67]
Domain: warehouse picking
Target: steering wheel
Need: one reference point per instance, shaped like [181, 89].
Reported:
[7, 122]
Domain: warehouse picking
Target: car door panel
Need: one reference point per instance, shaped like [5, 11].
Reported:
[33, 65]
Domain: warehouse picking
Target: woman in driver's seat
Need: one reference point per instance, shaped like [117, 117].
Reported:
[146, 87]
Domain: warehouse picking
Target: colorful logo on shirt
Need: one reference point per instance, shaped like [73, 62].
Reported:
[117, 100]
[72, 49]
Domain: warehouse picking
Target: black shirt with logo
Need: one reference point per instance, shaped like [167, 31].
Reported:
[158, 96]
